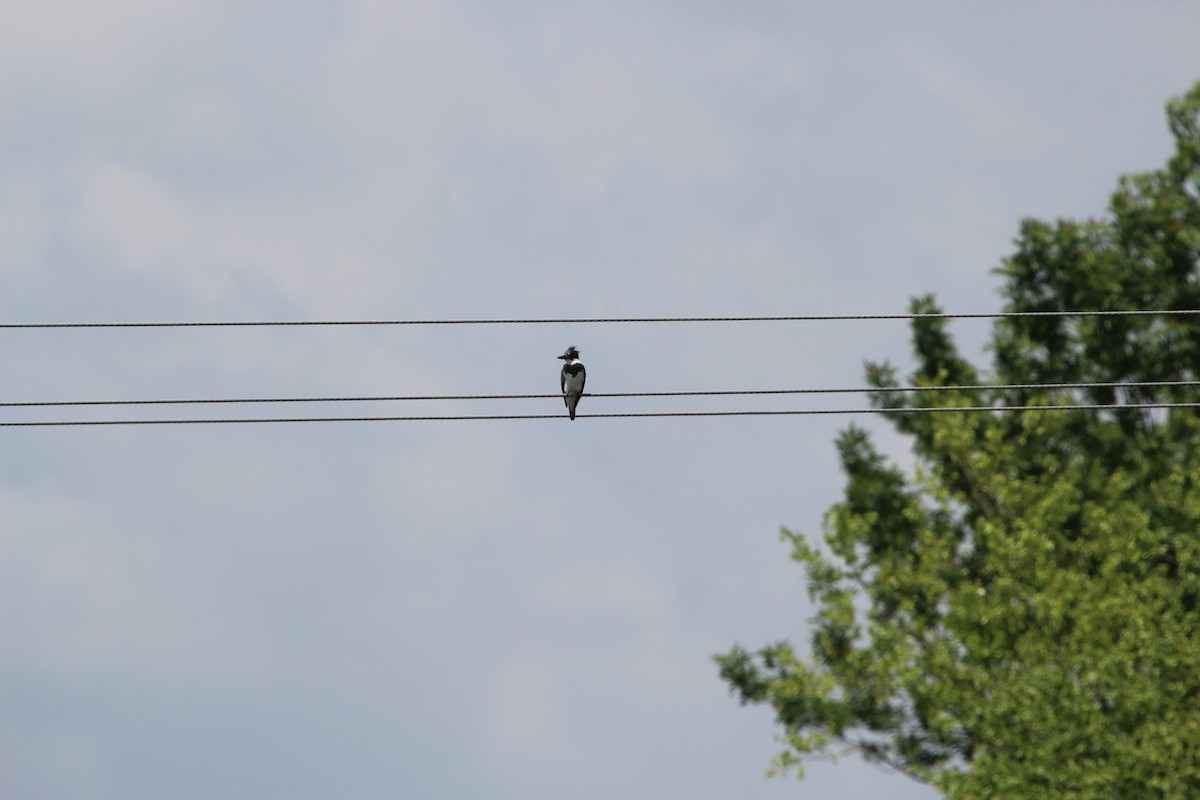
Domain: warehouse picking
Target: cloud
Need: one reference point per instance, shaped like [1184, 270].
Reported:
[99, 606]
[85, 47]
[556, 90]
[211, 254]
[998, 122]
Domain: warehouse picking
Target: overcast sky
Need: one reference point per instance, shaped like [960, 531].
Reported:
[508, 609]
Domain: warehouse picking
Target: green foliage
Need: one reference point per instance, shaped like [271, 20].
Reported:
[1020, 618]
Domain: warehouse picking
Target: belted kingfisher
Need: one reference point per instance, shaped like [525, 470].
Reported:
[573, 377]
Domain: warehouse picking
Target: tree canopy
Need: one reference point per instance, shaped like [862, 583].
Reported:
[1019, 617]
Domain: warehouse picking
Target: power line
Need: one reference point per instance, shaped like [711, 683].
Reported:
[722, 393]
[796, 412]
[600, 320]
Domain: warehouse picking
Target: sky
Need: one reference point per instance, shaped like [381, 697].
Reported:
[502, 609]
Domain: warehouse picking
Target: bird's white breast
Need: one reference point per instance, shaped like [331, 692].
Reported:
[573, 383]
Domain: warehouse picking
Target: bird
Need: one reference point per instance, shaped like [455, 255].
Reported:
[573, 377]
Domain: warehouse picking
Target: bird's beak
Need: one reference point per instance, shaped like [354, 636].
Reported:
[564, 355]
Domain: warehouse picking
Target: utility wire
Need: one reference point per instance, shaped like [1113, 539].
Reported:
[798, 412]
[738, 392]
[597, 320]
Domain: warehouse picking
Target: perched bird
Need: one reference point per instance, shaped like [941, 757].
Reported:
[573, 376]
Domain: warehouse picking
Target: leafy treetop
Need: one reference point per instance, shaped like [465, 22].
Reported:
[1020, 618]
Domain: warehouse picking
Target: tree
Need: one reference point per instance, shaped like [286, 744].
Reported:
[1020, 617]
